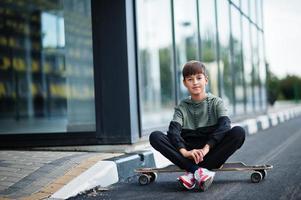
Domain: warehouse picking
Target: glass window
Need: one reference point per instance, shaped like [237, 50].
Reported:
[46, 67]
[252, 10]
[244, 4]
[259, 13]
[237, 64]
[155, 62]
[186, 36]
[247, 64]
[224, 54]
[262, 71]
[236, 2]
[208, 42]
[255, 63]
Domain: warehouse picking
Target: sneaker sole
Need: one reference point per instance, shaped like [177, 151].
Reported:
[206, 184]
[181, 184]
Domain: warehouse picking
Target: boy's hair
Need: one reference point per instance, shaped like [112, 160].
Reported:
[194, 67]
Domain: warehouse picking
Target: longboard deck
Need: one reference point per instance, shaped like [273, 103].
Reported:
[259, 172]
[236, 166]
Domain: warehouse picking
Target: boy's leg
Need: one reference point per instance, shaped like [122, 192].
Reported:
[161, 143]
[232, 141]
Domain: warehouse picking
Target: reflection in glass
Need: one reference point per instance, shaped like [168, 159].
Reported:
[208, 42]
[53, 30]
[247, 64]
[252, 10]
[237, 64]
[46, 67]
[185, 19]
[259, 13]
[262, 71]
[255, 63]
[244, 5]
[155, 62]
[224, 54]
[236, 2]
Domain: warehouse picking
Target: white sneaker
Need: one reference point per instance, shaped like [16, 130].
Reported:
[187, 180]
[204, 178]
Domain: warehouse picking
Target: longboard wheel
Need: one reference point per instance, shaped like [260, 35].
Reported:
[263, 173]
[256, 177]
[144, 179]
[153, 176]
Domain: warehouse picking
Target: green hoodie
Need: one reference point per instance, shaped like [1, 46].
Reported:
[199, 119]
[193, 115]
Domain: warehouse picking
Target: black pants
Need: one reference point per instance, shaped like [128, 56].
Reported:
[217, 156]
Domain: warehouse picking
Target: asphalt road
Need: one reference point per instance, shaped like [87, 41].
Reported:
[279, 146]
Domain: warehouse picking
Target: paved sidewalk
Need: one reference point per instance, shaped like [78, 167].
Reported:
[59, 173]
[38, 174]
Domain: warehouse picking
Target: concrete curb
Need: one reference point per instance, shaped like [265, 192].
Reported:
[108, 172]
[105, 173]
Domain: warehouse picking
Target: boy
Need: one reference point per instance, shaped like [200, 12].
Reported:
[200, 137]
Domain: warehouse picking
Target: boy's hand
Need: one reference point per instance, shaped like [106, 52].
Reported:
[205, 149]
[195, 154]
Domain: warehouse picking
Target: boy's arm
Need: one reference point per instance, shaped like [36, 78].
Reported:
[174, 135]
[223, 125]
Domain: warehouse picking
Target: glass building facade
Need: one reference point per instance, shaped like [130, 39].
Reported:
[103, 72]
[227, 36]
[46, 67]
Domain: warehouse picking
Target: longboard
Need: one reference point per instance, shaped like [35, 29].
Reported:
[259, 172]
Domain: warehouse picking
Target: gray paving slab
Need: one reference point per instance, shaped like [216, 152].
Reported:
[2, 188]
[11, 193]
[9, 169]
[6, 183]
[12, 174]
[3, 163]
[42, 182]
[10, 178]
[21, 167]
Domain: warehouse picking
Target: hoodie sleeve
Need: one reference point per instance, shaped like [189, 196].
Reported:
[174, 135]
[221, 108]
[223, 125]
[175, 129]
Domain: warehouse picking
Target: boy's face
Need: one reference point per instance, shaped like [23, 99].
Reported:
[195, 84]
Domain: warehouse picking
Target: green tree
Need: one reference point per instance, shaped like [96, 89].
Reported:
[166, 75]
[290, 87]
[273, 87]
